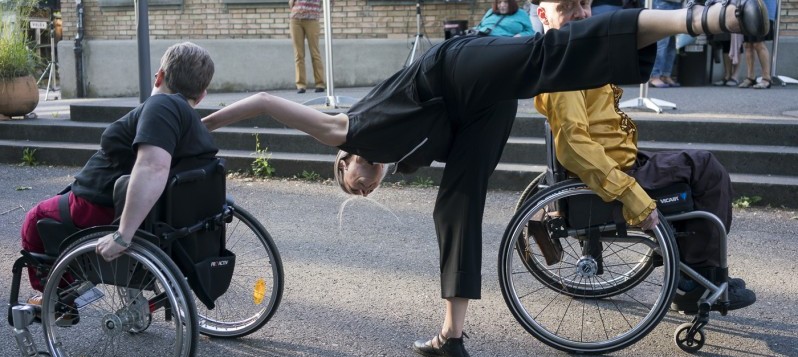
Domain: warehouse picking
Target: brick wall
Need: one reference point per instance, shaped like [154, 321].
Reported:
[211, 19]
[789, 18]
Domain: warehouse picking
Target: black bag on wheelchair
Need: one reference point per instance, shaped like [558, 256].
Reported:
[190, 216]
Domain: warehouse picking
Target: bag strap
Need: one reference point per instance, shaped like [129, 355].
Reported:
[496, 24]
[63, 210]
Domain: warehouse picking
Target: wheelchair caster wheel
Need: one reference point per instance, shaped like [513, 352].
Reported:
[686, 342]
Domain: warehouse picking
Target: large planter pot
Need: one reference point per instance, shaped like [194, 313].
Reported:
[18, 96]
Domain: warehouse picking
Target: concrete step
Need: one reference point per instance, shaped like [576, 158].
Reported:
[693, 130]
[762, 156]
[286, 164]
[527, 150]
[777, 190]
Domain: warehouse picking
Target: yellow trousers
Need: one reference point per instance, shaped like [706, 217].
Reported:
[300, 30]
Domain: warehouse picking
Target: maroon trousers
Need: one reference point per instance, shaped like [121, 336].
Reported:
[712, 192]
[84, 214]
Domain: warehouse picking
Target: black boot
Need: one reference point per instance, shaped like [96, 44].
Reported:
[449, 347]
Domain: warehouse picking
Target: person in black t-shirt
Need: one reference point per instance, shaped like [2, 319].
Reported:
[146, 143]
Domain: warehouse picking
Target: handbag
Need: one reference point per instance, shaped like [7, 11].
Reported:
[476, 32]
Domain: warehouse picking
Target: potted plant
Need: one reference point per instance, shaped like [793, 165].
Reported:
[19, 93]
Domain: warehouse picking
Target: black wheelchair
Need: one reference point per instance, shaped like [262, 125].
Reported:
[199, 264]
[580, 280]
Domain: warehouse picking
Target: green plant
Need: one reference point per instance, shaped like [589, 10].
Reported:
[29, 157]
[16, 57]
[421, 181]
[310, 176]
[745, 201]
[261, 166]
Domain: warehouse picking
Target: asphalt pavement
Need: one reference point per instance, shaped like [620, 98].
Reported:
[365, 282]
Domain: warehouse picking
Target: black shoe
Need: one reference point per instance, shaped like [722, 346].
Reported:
[686, 302]
[449, 347]
[300, 90]
[319, 90]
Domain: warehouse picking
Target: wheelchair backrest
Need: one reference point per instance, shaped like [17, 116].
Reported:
[189, 220]
[190, 196]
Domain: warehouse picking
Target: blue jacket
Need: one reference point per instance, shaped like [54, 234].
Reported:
[515, 24]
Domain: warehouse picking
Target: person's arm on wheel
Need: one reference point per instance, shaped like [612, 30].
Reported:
[147, 182]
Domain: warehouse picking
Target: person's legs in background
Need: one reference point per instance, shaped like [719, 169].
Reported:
[296, 27]
[666, 52]
[670, 57]
[755, 49]
[763, 55]
[729, 68]
[312, 31]
[659, 63]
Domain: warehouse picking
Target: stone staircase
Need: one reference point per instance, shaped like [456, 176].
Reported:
[761, 155]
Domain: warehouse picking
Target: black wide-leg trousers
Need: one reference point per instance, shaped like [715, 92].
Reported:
[482, 80]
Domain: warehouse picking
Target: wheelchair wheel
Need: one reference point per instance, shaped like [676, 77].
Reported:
[572, 306]
[257, 284]
[629, 263]
[135, 305]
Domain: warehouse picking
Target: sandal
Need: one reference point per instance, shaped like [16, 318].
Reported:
[763, 84]
[731, 82]
[747, 83]
[751, 15]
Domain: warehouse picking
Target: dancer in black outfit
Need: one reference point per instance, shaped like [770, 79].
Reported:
[456, 104]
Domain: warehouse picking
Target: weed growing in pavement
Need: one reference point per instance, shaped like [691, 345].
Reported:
[261, 167]
[29, 157]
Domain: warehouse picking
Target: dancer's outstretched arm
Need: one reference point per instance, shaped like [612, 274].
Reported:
[328, 129]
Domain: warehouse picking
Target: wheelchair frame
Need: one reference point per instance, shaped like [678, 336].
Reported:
[546, 193]
[151, 250]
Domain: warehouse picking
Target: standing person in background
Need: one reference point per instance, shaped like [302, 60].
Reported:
[756, 44]
[666, 51]
[305, 25]
[505, 19]
[730, 49]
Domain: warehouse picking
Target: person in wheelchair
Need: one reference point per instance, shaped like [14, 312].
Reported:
[456, 104]
[161, 134]
[597, 142]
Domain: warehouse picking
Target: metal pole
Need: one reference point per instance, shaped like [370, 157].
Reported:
[81, 90]
[328, 53]
[143, 42]
[330, 101]
[783, 79]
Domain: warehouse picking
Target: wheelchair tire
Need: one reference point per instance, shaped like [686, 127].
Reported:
[636, 272]
[575, 309]
[257, 284]
[156, 317]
